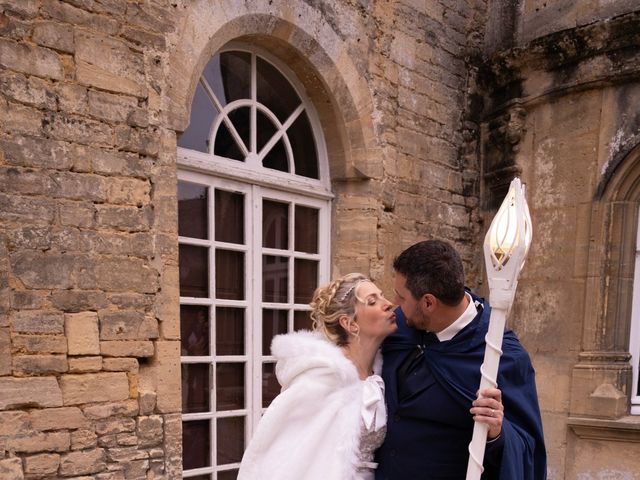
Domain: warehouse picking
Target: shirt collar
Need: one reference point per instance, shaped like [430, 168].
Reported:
[462, 321]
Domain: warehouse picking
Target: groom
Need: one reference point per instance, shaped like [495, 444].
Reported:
[432, 371]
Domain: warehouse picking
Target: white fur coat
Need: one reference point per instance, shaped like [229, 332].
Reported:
[311, 431]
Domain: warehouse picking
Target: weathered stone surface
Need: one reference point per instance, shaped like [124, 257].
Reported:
[120, 365]
[146, 402]
[38, 321]
[78, 300]
[43, 464]
[95, 387]
[39, 364]
[32, 392]
[38, 343]
[5, 351]
[82, 333]
[11, 469]
[54, 35]
[31, 60]
[81, 463]
[39, 442]
[127, 325]
[127, 408]
[83, 438]
[13, 421]
[150, 430]
[57, 419]
[126, 348]
[117, 425]
[108, 64]
[85, 364]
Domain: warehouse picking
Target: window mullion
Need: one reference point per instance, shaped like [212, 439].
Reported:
[254, 100]
[278, 135]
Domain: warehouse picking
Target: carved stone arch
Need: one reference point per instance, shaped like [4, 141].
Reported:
[602, 378]
[310, 48]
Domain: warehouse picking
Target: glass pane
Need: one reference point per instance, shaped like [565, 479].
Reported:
[266, 130]
[302, 320]
[240, 117]
[229, 275]
[195, 387]
[275, 224]
[270, 386]
[229, 220]
[229, 331]
[194, 330]
[225, 145]
[200, 477]
[235, 70]
[275, 278]
[274, 322]
[196, 444]
[230, 440]
[306, 229]
[274, 91]
[305, 274]
[203, 113]
[192, 210]
[230, 386]
[228, 475]
[276, 159]
[303, 147]
[194, 271]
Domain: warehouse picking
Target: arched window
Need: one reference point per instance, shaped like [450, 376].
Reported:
[254, 231]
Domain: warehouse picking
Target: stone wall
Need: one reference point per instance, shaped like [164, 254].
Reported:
[92, 95]
[561, 112]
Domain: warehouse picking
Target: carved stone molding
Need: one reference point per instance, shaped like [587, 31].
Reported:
[625, 429]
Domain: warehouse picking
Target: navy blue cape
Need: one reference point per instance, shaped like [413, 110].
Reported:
[455, 364]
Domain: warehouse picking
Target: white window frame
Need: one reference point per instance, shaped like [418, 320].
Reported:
[256, 183]
[634, 336]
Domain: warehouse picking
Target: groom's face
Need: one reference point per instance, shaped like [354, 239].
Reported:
[407, 302]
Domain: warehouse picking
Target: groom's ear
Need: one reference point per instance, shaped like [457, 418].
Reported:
[428, 302]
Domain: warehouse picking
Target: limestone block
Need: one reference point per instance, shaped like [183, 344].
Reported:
[113, 426]
[38, 344]
[34, 392]
[128, 408]
[97, 387]
[54, 35]
[57, 418]
[124, 218]
[39, 442]
[77, 128]
[39, 364]
[43, 464]
[129, 191]
[30, 91]
[127, 325]
[83, 438]
[126, 348]
[31, 60]
[46, 270]
[13, 421]
[126, 454]
[85, 364]
[76, 214]
[120, 365]
[78, 300]
[150, 430]
[11, 469]
[82, 333]
[137, 469]
[33, 211]
[110, 107]
[5, 351]
[167, 369]
[38, 321]
[109, 64]
[73, 98]
[69, 14]
[126, 439]
[146, 402]
[173, 444]
[142, 140]
[84, 462]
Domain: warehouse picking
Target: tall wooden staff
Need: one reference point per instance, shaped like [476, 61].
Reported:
[505, 248]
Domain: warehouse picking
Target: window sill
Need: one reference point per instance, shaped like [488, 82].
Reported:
[625, 429]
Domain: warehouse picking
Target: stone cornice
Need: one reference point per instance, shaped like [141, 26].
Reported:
[601, 53]
[625, 429]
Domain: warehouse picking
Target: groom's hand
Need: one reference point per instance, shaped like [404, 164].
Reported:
[488, 408]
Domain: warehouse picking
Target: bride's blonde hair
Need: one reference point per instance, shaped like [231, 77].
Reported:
[332, 301]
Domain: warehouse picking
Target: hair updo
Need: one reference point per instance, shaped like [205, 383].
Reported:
[332, 301]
